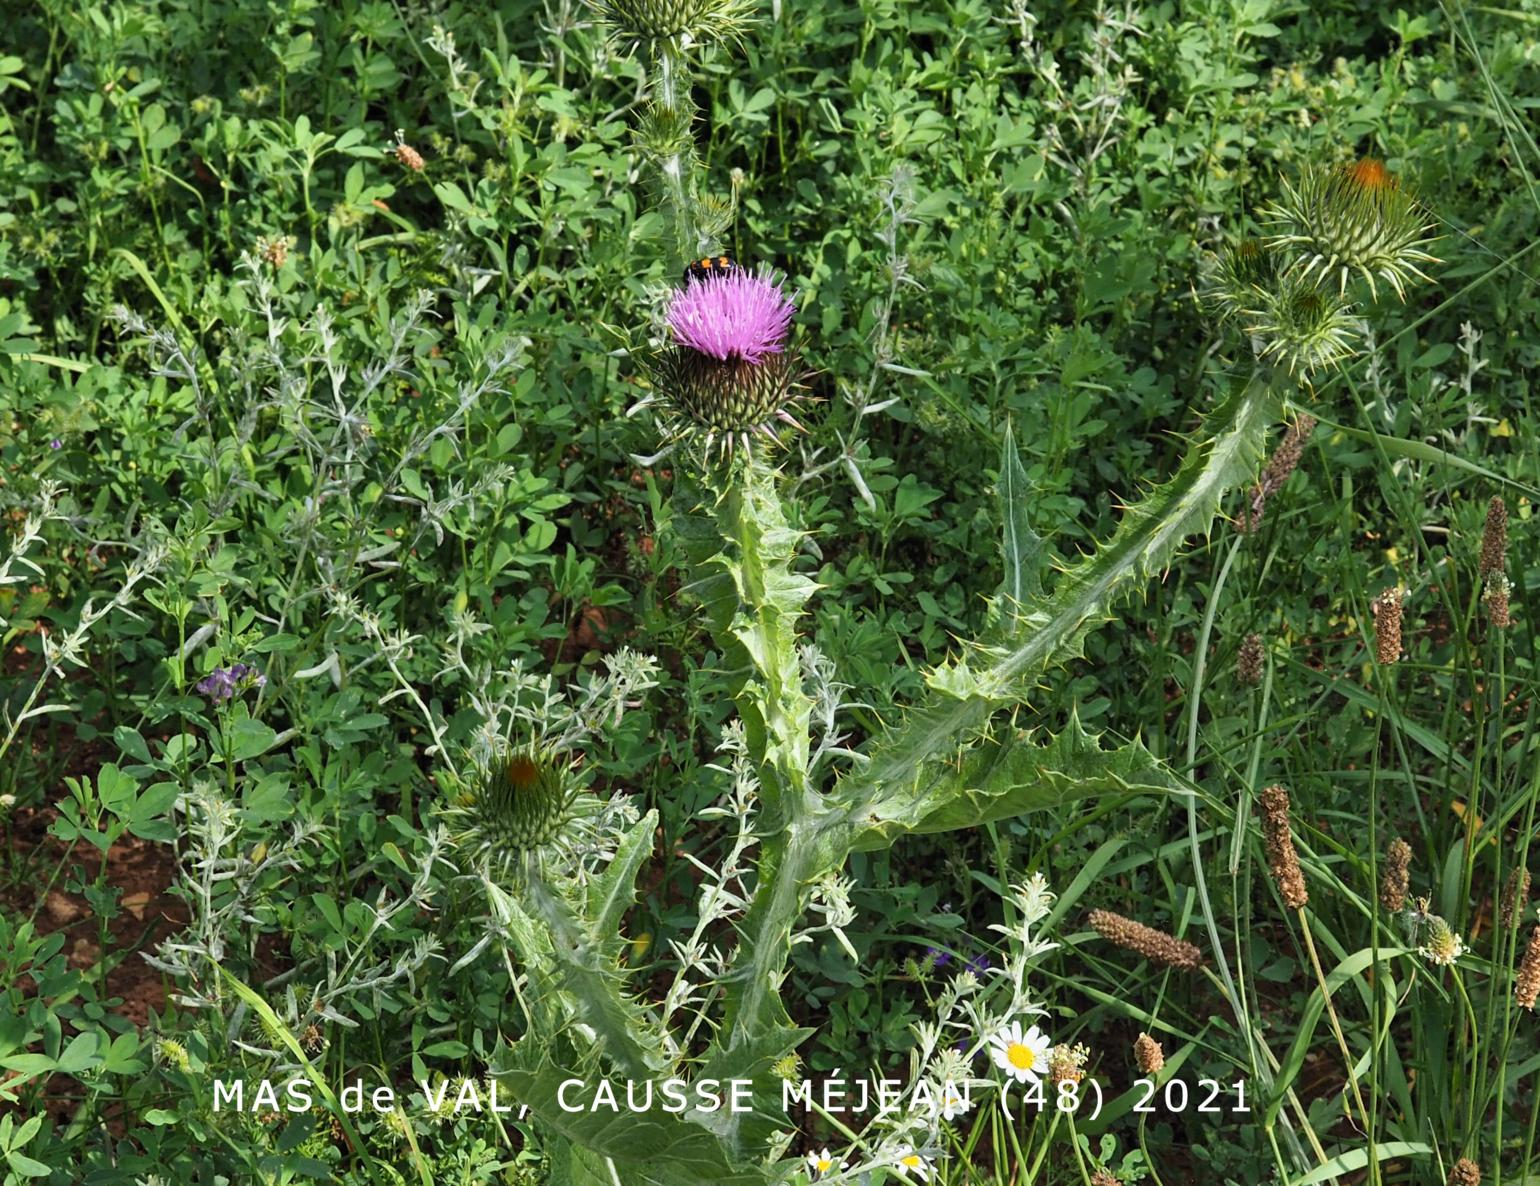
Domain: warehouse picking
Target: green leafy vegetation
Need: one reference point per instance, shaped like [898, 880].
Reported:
[428, 667]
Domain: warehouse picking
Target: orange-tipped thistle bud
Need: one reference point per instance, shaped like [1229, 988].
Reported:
[1353, 219]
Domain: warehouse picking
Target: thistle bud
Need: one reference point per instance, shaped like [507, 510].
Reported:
[522, 801]
[1353, 219]
[1299, 327]
[674, 24]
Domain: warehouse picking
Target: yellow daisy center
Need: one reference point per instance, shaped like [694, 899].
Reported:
[912, 1161]
[823, 1164]
[1021, 1057]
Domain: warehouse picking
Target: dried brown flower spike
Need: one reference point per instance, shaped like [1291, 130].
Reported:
[1515, 897]
[1387, 625]
[1156, 946]
[1465, 1172]
[1104, 1178]
[1397, 878]
[1282, 860]
[1494, 539]
[1248, 661]
[1527, 989]
[1148, 1056]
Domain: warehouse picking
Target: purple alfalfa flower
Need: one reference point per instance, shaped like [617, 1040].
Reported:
[938, 957]
[979, 964]
[223, 682]
[733, 315]
[56, 443]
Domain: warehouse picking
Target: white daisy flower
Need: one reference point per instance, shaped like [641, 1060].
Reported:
[822, 1163]
[910, 1162]
[1023, 1056]
[954, 1102]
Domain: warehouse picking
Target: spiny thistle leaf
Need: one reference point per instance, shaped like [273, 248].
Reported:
[742, 557]
[1021, 548]
[611, 894]
[651, 1148]
[1004, 669]
[1016, 774]
[590, 982]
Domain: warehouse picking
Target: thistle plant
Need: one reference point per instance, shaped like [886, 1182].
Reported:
[798, 801]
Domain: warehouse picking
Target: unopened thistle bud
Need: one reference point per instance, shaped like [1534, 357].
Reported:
[1155, 946]
[1515, 897]
[523, 800]
[653, 25]
[1282, 861]
[1243, 268]
[1397, 877]
[1465, 1172]
[1299, 327]
[1148, 1056]
[1248, 661]
[1352, 219]
[1527, 989]
[1387, 625]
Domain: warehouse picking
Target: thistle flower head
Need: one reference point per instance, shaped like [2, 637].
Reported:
[1355, 219]
[737, 314]
[729, 377]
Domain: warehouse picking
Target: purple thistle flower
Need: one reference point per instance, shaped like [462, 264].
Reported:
[224, 682]
[736, 315]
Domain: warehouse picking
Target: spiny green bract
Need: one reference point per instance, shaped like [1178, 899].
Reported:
[521, 802]
[1355, 218]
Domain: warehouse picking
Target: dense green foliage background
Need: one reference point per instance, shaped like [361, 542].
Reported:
[353, 402]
